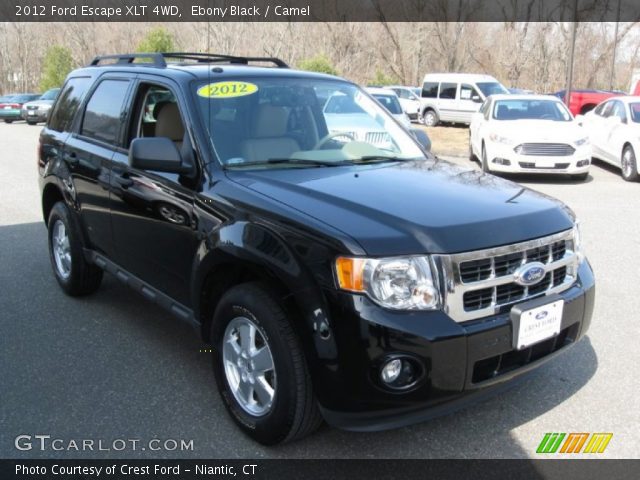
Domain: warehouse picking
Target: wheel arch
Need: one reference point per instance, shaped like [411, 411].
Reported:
[51, 194]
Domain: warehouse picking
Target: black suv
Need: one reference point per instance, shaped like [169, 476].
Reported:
[338, 269]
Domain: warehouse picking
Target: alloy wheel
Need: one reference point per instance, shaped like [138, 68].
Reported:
[61, 249]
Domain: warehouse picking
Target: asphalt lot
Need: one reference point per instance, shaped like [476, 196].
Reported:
[113, 366]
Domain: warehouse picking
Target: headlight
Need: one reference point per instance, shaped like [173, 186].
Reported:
[582, 141]
[397, 283]
[494, 137]
[577, 241]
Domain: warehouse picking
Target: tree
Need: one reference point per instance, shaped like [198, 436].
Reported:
[57, 63]
[157, 40]
[383, 79]
[319, 63]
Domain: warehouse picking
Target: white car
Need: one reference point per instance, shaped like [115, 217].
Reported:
[614, 131]
[409, 101]
[389, 100]
[529, 134]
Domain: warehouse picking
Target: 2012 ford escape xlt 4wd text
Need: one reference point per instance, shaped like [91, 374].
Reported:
[340, 274]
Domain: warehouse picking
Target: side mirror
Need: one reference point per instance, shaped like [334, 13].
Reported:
[579, 119]
[156, 153]
[422, 138]
[476, 98]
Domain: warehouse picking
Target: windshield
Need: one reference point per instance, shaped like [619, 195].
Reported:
[635, 112]
[491, 88]
[531, 110]
[50, 94]
[276, 122]
[390, 102]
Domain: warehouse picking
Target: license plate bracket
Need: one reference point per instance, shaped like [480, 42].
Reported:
[536, 320]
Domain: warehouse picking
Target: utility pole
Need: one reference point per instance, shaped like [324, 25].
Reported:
[567, 96]
[612, 78]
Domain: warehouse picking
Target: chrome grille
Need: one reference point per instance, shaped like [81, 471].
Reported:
[377, 138]
[480, 283]
[32, 107]
[545, 149]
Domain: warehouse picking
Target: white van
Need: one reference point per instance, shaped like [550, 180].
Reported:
[455, 97]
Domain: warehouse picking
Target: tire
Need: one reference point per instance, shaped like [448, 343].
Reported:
[580, 177]
[32, 123]
[430, 118]
[629, 164]
[292, 411]
[472, 157]
[485, 162]
[8, 120]
[75, 275]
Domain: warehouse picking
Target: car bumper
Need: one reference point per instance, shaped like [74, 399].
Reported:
[34, 115]
[574, 164]
[10, 114]
[461, 363]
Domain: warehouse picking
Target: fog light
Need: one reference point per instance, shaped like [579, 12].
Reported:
[501, 161]
[582, 163]
[391, 371]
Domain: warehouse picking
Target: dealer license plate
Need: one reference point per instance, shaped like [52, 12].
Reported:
[539, 323]
[31, 112]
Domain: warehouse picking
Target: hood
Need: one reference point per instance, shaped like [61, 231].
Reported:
[39, 103]
[429, 206]
[542, 131]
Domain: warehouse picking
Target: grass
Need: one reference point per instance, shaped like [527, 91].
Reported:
[448, 140]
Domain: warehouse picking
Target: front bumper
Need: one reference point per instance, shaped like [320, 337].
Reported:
[462, 362]
[518, 163]
[34, 115]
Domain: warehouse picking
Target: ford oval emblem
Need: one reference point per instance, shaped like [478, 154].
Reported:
[529, 274]
[542, 315]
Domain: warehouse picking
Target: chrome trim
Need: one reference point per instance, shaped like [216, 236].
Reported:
[453, 288]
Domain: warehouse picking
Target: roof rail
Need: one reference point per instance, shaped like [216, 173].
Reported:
[158, 59]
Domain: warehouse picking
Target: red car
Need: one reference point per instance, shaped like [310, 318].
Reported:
[582, 101]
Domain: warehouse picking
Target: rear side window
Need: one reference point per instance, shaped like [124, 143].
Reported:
[448, 90]
[68, 102]
[102, 115]
[430, 89]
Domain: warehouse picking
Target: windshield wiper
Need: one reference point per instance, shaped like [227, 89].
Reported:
[291, 161]
[379, 158]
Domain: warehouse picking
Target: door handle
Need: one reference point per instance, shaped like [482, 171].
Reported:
[124, 182]
[71, 158]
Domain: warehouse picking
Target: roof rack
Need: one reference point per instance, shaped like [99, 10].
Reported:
[158, 59]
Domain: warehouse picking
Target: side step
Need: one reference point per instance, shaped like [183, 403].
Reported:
[146, 290]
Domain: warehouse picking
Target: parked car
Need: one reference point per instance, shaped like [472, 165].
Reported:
[389, 100]
[614, 130]
[583, 101]
[372, 286]
[521, 91]
[409, 100]
[531, 134]
[10, 109]
[38, 110]
[455, 97]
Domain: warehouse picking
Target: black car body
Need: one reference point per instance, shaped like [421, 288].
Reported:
[183, 239]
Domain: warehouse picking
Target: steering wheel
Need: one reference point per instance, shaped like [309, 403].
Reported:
[326, 138]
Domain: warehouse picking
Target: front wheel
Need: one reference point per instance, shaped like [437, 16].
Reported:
[260, 367]
[430, 118]
[485, 162]
[31, 122]
[75, 275]
[7, 120]
[629, 164]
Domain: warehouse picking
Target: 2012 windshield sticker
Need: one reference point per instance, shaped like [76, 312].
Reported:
[227, 89]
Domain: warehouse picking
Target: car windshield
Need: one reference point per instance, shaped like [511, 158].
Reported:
[491, 88]
[50, 94]
[635, 112]
[276, 122]
[390, 102]
[531, 110]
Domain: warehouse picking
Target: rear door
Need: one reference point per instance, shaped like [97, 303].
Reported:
[617, 122]
[447, 102]
[595, 123]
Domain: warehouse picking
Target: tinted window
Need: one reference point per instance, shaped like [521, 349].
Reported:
[448, 90]
[68, 102]
[102, 116]
[430, 89]
[390, 102]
